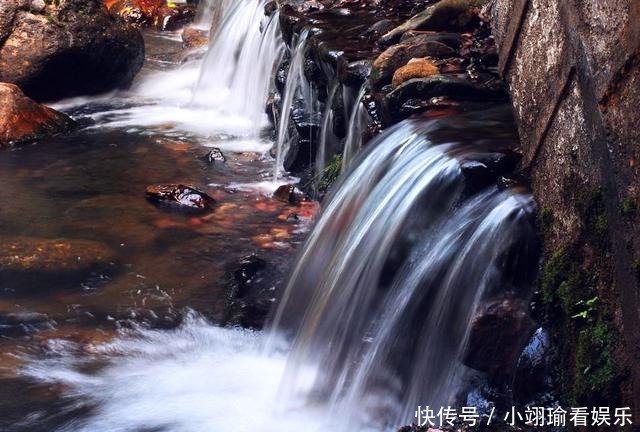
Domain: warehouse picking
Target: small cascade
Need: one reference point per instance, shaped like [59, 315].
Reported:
[297, 88]
[381, 301]
[325, 134]
[236, 74]
[357, 122]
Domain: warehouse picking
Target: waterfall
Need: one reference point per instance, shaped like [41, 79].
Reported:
[357, 122]
[210, 13]
[237, 70]
[381, 299]
[297, 87]
[325, 132]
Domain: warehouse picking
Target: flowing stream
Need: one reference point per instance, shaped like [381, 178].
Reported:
[373, 320]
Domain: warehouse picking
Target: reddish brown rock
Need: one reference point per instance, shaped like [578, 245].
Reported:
[416, 68]
[22, 119]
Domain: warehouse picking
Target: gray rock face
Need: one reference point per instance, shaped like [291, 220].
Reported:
[66, 49]
[573, 68]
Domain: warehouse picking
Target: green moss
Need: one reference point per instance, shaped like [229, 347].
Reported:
[629, 207]
[330, 173]
[554, 273]
[595, 368]
[591, 209]
[545, 219]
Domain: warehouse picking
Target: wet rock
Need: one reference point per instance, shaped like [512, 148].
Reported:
[251, 286]
[444, 85]
[180, 196]
[247, 270]
[172, 18]
[23, 323]
[22, 119]
[444, 15]
[194, 38]
[288, 194]
[354, 74]
[380, 28]
[291, 22]
[70, 48]
[416, 68]
[481, 170]
[499, 332]
[399, 55]
[533, 380]
[307, 124]
[281, 74]
[215, 156]
[270, 8]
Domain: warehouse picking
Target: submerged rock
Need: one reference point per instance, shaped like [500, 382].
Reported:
[22, 119]
[180, 196]
[71, 48]
[195, 38]
[26, 254]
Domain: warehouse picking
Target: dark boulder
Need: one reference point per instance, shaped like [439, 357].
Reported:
[180, 196]
[22, 119]
[354, 74]
[499, 332]
[68, 49]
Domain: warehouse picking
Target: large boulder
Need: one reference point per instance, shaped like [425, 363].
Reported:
[22, 119]
[61, 49]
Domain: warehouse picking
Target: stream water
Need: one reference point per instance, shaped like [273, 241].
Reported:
[375, 316]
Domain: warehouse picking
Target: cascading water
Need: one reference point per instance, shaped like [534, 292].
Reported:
[236, 73]
[297, 87]
[210, 12]
[325, 133]
[377, 314]
[374, 321]
[357, 122]
[380, 306]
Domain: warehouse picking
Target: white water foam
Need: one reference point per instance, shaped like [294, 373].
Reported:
[193, 379]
